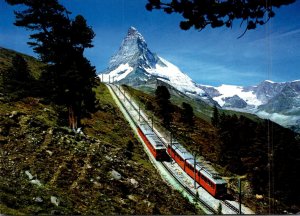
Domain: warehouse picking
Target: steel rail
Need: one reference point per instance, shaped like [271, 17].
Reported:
[232, 207]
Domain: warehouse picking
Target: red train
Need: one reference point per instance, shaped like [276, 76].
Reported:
[154, 144]
[212, 183]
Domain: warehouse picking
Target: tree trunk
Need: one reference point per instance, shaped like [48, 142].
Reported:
[72, 118]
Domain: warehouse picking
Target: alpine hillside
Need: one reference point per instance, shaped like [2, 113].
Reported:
[135, 65]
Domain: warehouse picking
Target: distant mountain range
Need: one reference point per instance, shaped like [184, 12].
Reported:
[135, 65]
[279, 102]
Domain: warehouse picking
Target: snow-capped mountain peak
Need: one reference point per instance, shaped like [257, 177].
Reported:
[134, 34]
[134, 51]
[135, 64]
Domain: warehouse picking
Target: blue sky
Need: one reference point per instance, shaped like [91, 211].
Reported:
[212, 56]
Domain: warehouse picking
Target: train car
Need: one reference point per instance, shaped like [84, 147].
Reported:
[154, 144]
[211, 182]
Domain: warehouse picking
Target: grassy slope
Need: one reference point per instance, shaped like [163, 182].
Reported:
[6, 56]
[77, 169]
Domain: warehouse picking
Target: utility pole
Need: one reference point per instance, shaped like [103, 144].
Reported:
[139, 112]
[152, 121]
[240, 196]
[124, 95]
[195, 184]
[108, 79]
[102, 79]
[171, 143]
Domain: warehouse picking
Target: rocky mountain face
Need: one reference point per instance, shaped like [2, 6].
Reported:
[136, 65]
[235, 101]
[134, 52]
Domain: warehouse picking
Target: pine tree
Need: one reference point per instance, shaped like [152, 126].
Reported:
[17, 79]
[215, 120]
[163, 96]
[187, 114]
[60, 42]
[202, 14]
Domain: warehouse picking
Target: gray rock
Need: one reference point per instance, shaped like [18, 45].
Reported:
[38, 199]
[134, 182]
[36, 182]
[115, 175]
[54, 200]
[29, 175]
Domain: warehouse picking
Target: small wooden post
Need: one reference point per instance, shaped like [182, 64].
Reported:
[195, 184]
[152, 121]
[240, 196]
[139, 112]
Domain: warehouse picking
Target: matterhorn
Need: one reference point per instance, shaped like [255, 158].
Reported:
[135, 65]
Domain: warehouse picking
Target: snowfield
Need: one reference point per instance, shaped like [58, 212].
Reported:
[117, 74]
[231, 90]
[174, 77]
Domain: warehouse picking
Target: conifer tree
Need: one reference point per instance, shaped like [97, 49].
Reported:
[215, 120]
[60, 42]
[200, 14]
[163, 96]
[17, 78]
[187, 114]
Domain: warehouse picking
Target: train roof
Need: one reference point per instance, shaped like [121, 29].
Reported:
[185, 155]
[155, 142]
[146, 129]
[214, 177]
[151, 136]
[181, 151]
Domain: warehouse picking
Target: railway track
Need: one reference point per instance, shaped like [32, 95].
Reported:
[232, 207]
[188, 190]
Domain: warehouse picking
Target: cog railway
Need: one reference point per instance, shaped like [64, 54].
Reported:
[165, 152]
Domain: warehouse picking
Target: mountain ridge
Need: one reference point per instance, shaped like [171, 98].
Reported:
[278, 101]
